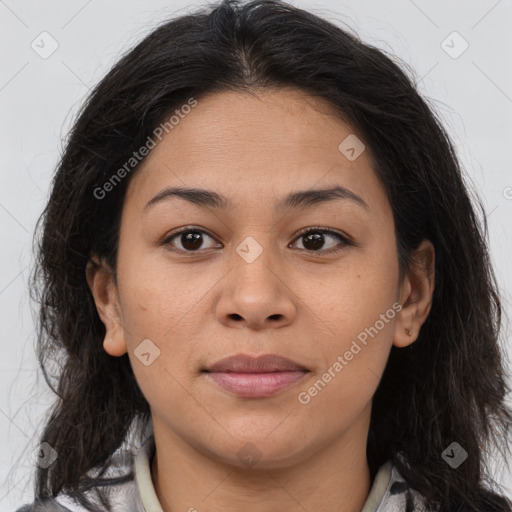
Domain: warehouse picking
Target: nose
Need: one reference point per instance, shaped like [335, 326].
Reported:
[256, 295]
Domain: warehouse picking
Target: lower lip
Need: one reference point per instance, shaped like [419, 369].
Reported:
[256, 385]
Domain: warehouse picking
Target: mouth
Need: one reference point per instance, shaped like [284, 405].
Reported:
[255, 377]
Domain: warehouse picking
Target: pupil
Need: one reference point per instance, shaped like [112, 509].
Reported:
[191, 240]
[316, 239]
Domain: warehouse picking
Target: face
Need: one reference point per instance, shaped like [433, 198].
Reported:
[314, 279]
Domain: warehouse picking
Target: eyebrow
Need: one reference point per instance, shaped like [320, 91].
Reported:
[298, 199]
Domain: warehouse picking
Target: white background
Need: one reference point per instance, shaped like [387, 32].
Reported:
[39, 97]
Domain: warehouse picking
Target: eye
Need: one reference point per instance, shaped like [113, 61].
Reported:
[190, 239]
[187, 239]
[314, 239]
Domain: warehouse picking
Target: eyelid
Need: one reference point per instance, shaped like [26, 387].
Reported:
[185, 229]
[326, 230]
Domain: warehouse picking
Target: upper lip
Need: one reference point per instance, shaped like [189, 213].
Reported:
[244, 363]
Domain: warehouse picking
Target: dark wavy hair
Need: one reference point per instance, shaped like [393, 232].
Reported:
[447, 386]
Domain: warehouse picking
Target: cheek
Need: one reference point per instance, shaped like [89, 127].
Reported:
[158, 319]
[156, 299]
[162, 339]
[355, 315]
[353, 295]
[354, 362]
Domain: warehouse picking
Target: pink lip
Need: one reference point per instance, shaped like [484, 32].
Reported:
[244, 363]
[255, 377]
[256, 385]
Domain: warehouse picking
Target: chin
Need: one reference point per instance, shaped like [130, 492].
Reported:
[260, 453]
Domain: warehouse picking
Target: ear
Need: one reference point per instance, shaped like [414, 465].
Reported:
[104, 290]
[416, 293]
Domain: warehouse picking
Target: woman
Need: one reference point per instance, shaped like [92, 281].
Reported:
[260, 260]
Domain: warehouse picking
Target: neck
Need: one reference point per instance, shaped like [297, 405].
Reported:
[335, 478]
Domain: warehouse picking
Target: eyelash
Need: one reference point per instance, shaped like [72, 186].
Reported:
[344, 241]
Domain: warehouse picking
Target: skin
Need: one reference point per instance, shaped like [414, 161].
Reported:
[305, 304]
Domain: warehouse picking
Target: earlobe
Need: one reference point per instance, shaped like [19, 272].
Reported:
[115, 347]
[416, 296]
[100, 279]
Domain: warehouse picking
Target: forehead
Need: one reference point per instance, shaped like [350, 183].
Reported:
[256, 143]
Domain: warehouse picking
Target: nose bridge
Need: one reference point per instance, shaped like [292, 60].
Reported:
[250, 250]
[257, 293]
[253, 263]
